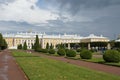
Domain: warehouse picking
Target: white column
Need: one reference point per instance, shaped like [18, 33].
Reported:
[68, 45]
[108, 46]
[89, 46]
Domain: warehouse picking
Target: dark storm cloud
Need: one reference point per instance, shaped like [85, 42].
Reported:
[75, 6]
[103, 16]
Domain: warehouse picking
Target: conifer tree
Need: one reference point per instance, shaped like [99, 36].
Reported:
[25, 46]
[36, 45]
[32, 46]
[3, 43]
[19, 46]
[47, 46]
[51, 46]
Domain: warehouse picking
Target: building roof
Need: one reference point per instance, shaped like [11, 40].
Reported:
[44, 35]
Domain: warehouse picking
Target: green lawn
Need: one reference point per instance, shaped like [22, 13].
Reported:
[38, 68]
[96, 60]
[20, 53]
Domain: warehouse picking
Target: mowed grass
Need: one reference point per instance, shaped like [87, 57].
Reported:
[38, 68]
[96, 60]
[20, 53]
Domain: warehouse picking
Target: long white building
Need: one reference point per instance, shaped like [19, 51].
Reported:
[13, 40]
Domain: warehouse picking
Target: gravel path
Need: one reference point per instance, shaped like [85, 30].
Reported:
[9, 70]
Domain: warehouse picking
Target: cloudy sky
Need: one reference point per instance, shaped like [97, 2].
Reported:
[82, 17]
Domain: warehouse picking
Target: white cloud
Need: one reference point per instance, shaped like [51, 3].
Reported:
[25, 10]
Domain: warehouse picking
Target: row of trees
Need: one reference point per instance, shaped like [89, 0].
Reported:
[24, 47]
[3, 43]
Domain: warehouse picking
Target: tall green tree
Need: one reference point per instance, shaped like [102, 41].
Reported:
[32, 46]
[47, 46]
[51, 46]
[25, 46]
[3, 43]
[37, 44]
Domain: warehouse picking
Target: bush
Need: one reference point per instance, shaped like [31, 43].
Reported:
[86, 54]
[44, 50]
[61, 52]
[66, 50]
[78, 50]
[51, 51]
[111, 56]
[70, 53]
[39, 50]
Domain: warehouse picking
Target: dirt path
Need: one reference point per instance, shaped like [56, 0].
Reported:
[9, 70]
[90, 65]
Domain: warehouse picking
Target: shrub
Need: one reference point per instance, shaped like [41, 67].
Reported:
[86, 54]
[70, 53]
[111, 56]
[66, 50]
[44, 50]
[61, 52]
[78, 50]
[51, 51]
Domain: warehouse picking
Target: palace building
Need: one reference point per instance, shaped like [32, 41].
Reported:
[13, 40]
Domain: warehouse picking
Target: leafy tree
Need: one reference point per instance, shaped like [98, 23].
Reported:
[36, 45]
[25, 46]
[47, 46]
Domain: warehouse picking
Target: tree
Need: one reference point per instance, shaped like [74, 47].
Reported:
[51, 46]
[32, 46]
[36, 45]
[3, 43]
[19, 46]
[47, 46]
[25, 46]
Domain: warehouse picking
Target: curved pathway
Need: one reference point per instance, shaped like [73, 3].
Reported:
[90, 65]
[9, 70]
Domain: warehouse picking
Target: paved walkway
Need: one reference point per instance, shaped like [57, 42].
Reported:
[9, 70]
[90, 65]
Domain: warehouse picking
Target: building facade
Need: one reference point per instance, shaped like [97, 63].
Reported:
[13, 40]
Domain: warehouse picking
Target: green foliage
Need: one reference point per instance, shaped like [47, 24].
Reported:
[36, 45]
[60, 46]
[51, 46]
[51, 51]
[111, 56]
[3, 43]
[78, 50]
[47, 46]
[32, 46]
[44, 50]
[71, 53]
[19, 46]
[86, 54]
[66, 50]
[61, 52]
[25, 46]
